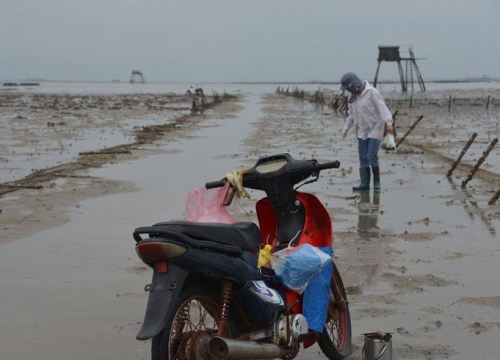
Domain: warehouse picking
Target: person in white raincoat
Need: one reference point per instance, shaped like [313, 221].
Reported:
[370, 116]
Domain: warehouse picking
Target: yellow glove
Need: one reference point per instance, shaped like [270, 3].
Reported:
[236, 180]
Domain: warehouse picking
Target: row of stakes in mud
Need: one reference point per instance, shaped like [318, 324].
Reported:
[339, 104]
[200, 102]
[476, 167]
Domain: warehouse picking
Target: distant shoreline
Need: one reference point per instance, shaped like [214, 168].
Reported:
[438, 81]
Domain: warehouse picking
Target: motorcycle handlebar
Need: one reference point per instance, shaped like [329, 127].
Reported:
[329, 165]
[215, 184]
[315, 167]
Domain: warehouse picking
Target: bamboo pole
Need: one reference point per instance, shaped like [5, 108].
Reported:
[394, 131]
[464, 150]
[402, 78]
[494, 198]
[376, 74]
[479, 162]
[410, 130]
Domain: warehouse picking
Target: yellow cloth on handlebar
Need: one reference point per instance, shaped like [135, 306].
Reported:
[235, 178]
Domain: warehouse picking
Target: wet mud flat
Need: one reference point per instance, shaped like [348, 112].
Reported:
[49, 142]
[418, 259]
[39, 130]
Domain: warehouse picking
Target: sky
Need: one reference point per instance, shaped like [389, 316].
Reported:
[245, 41]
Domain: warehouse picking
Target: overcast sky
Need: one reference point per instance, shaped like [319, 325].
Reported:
[235, 40]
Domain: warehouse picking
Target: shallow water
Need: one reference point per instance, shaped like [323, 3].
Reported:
[61, 135]
[257, 88]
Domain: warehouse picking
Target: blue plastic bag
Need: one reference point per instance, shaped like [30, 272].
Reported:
[317, 296]
[296, 266]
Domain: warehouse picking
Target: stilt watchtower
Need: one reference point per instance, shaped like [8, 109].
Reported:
[406, 75]
[137, 77]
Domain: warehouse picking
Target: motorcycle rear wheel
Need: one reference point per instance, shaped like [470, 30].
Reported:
[336, 339]
[195, 316]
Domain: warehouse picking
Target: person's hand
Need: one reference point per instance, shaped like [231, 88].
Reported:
[390, 128]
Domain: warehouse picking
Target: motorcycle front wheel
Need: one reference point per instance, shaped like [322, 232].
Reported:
[193, 320]
[336, 339]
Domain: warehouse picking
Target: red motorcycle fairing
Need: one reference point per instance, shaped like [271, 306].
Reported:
[317, 231]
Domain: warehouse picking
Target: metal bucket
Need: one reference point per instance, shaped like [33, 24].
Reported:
[378, 346]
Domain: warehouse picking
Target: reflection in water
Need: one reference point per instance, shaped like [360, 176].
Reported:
[368, 215]
[469, 201]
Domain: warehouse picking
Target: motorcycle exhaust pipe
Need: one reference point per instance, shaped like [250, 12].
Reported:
[228, 349]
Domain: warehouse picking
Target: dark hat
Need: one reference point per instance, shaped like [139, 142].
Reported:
[352, 83]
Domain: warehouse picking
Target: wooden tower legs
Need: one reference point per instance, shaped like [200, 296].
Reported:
[401, 76]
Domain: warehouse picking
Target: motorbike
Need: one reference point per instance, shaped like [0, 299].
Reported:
[208, 299]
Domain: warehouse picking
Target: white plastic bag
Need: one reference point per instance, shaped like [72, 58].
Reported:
[296, 266]
[207, 205]
[389, 143]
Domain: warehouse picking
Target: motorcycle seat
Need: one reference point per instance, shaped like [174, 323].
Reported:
[244, 235]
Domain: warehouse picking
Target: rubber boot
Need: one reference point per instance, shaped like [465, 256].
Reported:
[376, 178]
[364, 175]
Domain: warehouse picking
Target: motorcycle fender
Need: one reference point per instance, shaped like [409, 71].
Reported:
[164, 289]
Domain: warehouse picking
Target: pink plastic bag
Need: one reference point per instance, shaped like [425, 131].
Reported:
[206, 205]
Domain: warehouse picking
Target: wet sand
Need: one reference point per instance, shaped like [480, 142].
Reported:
[418, 259]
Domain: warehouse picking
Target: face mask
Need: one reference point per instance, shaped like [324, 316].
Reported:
[351, 88]
[352, 83]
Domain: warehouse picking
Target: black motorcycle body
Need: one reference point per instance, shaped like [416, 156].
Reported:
[209, 300]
